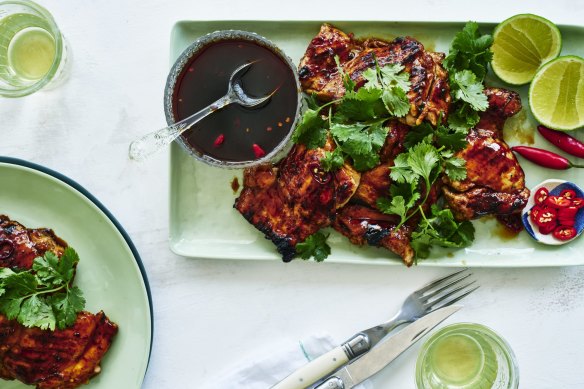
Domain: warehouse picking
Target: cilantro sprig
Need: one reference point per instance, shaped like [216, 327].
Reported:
[43, 296]
[314, 246]
[440, 229]
[356, 124]
[467, 64]
[414, 173]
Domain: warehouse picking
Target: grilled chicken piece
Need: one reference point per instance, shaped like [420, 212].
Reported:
[375, 183]
[495, 182]
[296, 198]
[430, 91]
[19, 246]
[318, 67]
[363, 225]
[60, 359]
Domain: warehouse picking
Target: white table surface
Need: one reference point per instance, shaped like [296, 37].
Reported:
[210, 314]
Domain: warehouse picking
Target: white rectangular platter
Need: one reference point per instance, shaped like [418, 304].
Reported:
[203, 223]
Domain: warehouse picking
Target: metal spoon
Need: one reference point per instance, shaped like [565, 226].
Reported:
[151, 143]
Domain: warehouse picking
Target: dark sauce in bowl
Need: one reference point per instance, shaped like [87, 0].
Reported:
[235, 133]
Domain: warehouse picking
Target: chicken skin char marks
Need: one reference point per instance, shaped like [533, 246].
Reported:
[285, 201]
[495, 182]
[60, 359]
[429, 95]
[296, 198]
[19, 246]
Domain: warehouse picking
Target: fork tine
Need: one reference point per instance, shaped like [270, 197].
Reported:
[437, 282]
[445, 296]
[455, 299]
[448, 286]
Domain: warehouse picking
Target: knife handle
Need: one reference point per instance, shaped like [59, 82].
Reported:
[314, 370]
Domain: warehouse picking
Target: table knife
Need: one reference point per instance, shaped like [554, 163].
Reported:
[348, 351]
[381, 355]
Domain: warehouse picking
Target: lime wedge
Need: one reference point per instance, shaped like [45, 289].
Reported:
[521, 44]
[556, 95]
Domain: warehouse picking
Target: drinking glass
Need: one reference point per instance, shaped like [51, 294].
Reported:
[466, 356]
[33, 52]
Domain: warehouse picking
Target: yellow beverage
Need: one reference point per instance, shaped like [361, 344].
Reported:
[466, 356]
[31, 53]
[456, 358]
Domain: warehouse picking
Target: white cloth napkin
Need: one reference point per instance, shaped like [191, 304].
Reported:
[264, 369]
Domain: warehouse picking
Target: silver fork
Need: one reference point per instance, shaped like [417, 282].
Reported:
[439, 293]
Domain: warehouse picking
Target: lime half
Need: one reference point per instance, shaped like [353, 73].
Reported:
[521, 44]
[556, 95]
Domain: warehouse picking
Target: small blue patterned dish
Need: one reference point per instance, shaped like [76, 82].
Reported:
[555, 187]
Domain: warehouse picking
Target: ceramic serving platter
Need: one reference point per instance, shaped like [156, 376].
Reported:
[204, 224]
[110, 271]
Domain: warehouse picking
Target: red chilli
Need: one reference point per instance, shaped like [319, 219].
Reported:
[258, 151]
[545, 158]
[219, 140]
[563, 141]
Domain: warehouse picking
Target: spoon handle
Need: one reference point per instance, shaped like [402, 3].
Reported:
[149, 144]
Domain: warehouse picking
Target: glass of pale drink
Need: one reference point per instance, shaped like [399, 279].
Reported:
[33, 53]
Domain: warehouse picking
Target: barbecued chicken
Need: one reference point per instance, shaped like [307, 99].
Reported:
[19, 246]
[60, 359]
[296, 198]
[375, 182]
[430, 91]
[364, 225]
[495, 182]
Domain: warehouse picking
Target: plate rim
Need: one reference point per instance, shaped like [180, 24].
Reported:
[79, 188]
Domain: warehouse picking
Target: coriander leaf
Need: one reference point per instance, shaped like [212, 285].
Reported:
[371, 80]
[344, 132]
[392, 76]
[395, 206]
[66, 306]
[396, 102]
[35, 312]
[361, 142]
[463, 117]
[454, 140]
[333, 160]
[470, 50]
[421, 133]
[441, 229]
[408, 190]
[42, 296]
[311, 131]
[455, 168]
[467, 88]
[362, 105]
[314, 246]
[423, 159]
[401, 171]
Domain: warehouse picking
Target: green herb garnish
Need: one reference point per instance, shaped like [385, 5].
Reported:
[441, 229]
[43, 296]
[314, 246]
[467, 63]
[356, 125]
